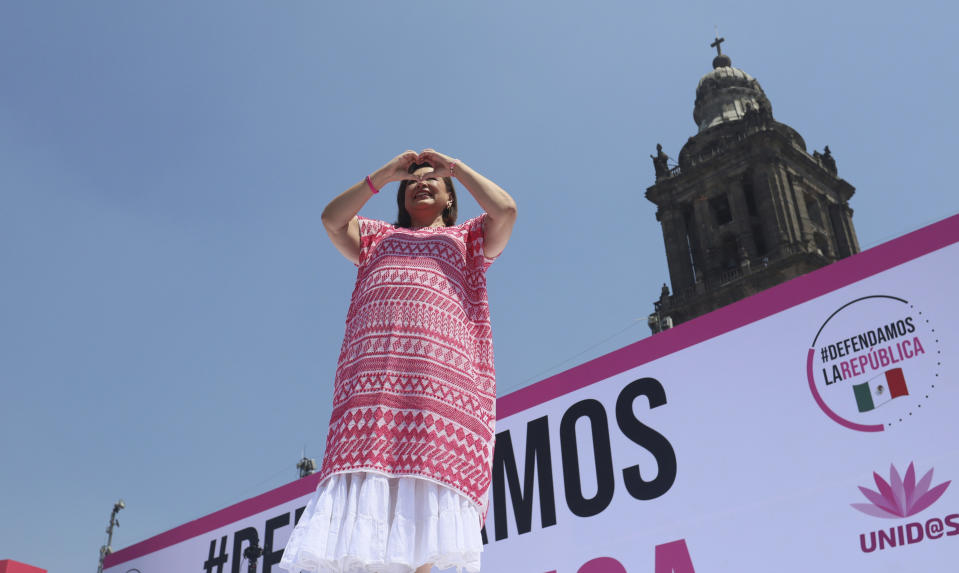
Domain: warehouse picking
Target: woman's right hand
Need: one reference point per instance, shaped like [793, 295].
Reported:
[339, 217]
[396, 169]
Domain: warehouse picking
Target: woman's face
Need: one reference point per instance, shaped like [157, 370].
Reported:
[426, 196]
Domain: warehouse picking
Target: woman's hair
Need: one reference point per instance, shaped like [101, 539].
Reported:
[403, 216]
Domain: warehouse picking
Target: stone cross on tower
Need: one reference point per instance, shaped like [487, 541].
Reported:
[716, 44]
[721, 60]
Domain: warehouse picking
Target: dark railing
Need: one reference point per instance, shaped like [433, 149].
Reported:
[731, 275]
[726, 278]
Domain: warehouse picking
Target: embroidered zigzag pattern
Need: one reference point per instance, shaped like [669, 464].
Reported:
[415, 390]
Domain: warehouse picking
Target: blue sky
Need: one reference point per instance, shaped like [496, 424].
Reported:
[170, 307]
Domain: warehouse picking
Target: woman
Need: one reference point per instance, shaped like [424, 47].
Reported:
[405, 477]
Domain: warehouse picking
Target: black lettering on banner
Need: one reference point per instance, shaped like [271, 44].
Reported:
[648, 438]
[602, 453]
[248, 535]
[537, 461]
[271, 557]
[214, 560]
[890, 331]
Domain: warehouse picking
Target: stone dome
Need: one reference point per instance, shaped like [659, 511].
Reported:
[726, 94]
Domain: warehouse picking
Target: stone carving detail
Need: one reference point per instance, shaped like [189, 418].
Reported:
[660, 162]
[826, 159]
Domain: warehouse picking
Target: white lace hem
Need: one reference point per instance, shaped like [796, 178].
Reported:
[364, 522]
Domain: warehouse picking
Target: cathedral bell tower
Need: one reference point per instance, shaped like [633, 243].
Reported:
[747, 207]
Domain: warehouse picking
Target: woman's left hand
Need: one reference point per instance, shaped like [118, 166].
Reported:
[439, 162]
[499, 206]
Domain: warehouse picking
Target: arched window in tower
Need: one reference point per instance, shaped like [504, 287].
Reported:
[749, 193]
[729, 253]
[759, 240]
[719, 206]
[822, 243]
[815, 213]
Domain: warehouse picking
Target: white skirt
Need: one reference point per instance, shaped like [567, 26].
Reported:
[366, 522]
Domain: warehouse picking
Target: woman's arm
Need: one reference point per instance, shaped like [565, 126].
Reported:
[499, 206]
[339, 217]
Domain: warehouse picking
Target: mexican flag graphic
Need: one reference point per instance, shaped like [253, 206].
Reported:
[874, 393]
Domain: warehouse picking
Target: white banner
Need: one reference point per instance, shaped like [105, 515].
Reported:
[808, 428]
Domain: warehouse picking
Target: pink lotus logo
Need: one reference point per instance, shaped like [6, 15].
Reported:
[900, 497]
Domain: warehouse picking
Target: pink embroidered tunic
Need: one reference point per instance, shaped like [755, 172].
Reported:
[415, 393]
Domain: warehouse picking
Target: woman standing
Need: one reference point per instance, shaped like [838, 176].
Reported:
[406, 472]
